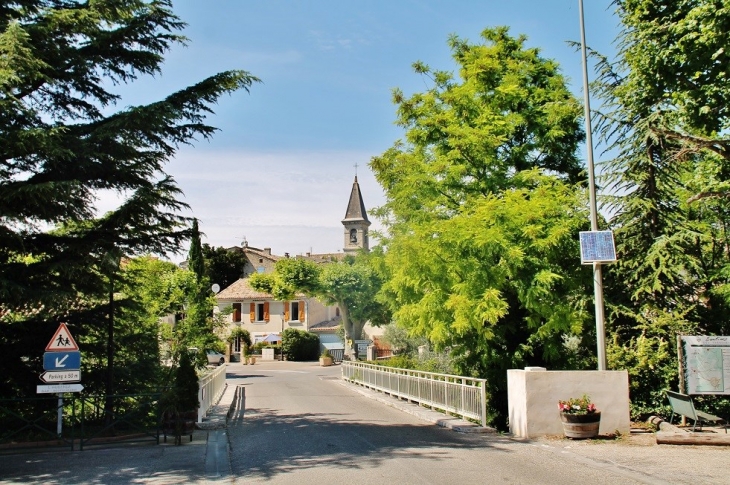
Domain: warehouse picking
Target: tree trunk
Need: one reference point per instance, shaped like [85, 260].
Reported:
[357, 330]
[109, 402]
[348, 326]
[704, 438]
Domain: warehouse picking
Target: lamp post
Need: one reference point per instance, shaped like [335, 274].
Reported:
[597, 273]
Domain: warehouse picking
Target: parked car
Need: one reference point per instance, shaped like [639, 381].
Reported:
[215, 358]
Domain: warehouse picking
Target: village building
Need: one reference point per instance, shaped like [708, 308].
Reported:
[264, 317]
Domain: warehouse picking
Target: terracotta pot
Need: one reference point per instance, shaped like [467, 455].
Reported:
[581, 426]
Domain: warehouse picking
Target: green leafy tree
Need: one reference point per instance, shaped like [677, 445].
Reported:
[62, 141]
[664, 115]
[198, 325]
[352, 285]
[482, 214]
[223, 266]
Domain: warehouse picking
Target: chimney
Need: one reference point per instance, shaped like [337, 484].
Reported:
[309, 254]
[267, 250]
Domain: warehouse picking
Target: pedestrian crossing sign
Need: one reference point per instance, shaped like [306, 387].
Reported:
[62, 340]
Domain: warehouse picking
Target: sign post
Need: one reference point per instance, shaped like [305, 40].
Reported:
[62, 364]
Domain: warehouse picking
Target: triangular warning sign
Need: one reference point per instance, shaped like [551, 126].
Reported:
[62, 340]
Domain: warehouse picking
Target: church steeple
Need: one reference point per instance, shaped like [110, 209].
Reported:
[356, 222]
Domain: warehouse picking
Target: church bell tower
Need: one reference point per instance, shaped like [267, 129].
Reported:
[356, 222]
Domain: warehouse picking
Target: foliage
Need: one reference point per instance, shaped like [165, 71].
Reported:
[665, 117]
[223, 266]
[244, 335]
[438, 362]
[182, 396]
[258, 346]
[62, 144]
[196, 263]
[577, 405]
[399, 340]
[198, 325]
[299, 345]
[399, 362]
[326, 354]
[186, 384]
[351, 284]
[160, 286]
[481, 213]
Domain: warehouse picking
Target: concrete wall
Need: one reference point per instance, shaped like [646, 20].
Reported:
[317, 312]
[534, 394]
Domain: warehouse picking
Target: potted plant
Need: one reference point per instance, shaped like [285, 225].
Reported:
[580, 417]
[325, 359]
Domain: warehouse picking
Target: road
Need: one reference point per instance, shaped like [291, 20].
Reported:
[302, 426]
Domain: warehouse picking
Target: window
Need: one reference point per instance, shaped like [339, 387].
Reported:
[259, 311]
[236, 312]
[260, 269]
[294, 310]
[353, 236]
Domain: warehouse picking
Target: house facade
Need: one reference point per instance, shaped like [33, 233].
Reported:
[263, 316]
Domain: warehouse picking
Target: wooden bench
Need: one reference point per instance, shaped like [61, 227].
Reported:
[682, 405]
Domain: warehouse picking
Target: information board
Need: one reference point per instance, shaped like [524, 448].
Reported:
[707, 364]
[597, 247]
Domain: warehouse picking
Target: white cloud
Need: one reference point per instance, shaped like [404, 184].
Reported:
[290, 201]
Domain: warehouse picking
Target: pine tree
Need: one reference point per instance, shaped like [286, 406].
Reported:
[664, 117]
[61, 141]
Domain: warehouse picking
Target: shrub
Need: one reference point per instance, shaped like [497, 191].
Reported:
[399, 361]
[245, 338]
[298, 345]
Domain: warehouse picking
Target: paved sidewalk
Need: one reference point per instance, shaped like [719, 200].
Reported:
[204, 460]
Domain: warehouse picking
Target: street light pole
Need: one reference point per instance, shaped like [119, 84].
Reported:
[597, 273]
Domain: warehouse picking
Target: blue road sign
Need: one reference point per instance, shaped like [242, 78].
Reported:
[62, 360]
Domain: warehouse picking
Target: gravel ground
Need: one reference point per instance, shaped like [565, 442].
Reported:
[640, 452]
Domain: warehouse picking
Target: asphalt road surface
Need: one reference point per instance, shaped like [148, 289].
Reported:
[301, 425]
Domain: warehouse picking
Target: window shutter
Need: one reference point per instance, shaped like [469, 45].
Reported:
[266, 311]
[236, 312]
[252, 312]
[301, 311]
[286, 311]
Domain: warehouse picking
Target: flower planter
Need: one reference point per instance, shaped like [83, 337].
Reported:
[326, 361]
[581, 426]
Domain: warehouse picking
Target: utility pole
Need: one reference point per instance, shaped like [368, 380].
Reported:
[597, 273]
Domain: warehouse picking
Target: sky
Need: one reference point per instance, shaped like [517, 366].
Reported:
[280, 170]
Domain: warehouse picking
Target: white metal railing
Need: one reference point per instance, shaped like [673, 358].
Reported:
[463, 396]
[211, 386]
